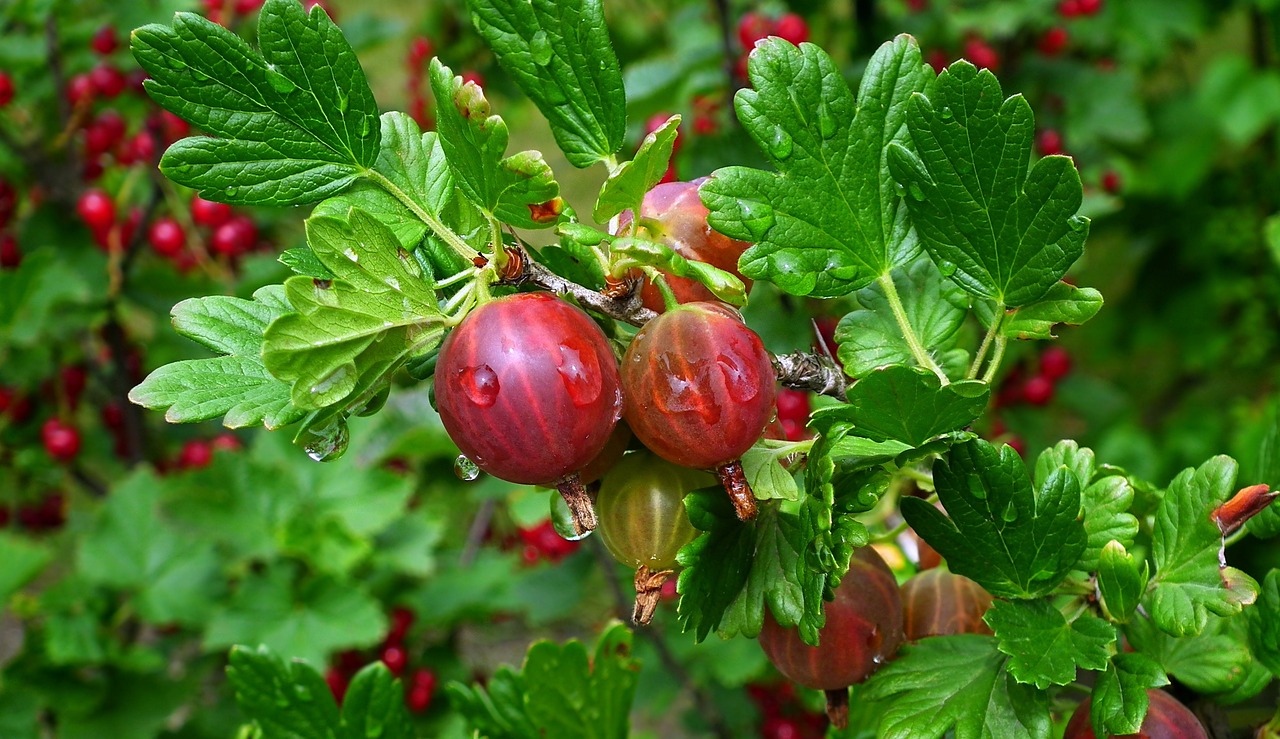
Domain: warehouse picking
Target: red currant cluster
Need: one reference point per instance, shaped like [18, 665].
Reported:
[229, 12]
[1021, 387]
[46, 515]
[420, 52]
[541, 542]
[783, 715]
[755, 26]
[421, 685]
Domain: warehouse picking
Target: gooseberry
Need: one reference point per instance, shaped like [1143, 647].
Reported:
[939, 603]
[1166, 719]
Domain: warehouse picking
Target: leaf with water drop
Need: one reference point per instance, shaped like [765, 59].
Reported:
[830, 220]
[515, 189]
[1023, 555]
[264, 688]
[287, 124]
[1011, 230]
[559, 53]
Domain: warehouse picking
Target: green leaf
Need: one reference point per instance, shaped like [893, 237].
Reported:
[724, 285]
[626, 186]
[1120, 694]
[561, 691]
[304, 619]
[1264, 623]
[23, 560]
[237, 386]
[734, 569]
[1044, 648]
[958, 682]
[289, 125]
[762, 465]
[303, 261]
[374, 706]
[286, 702]
[1066, 453]
[379, 310]
[130, 547]
[560, 54]
[1064, 303]
[870, 338]
[1267, 523]
[909, 405]
[1013, 540]
[1217, 660]
[1107, 518]
[1000, 231]
[830, 220]
[1120, 582]
[1189, 581]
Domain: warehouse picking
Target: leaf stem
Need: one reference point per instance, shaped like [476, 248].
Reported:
[444, 232]
[891, 534]
[992, 333]
[990, 375]
[659, 280]
[918, 350]
[499, 258]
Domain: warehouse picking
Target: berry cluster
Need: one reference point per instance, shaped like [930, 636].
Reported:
[783, 715]
[755, 26]
[420, 687]
[1024, 387]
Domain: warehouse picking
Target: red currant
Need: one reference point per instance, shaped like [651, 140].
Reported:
[1089, 7]
[337, 682]
[166, 237]
[753, 27]
[108, 80]
[61, 440]
[1049, 142]
[419, 51]
[401, 622]
[422, 686]
[1055, 363]
[237, 236]
[96, 209]
[6, 89]
[1054, 41]
[10, 253]
[982, 54]
[1038, 390]
[195, 455]
[791, 27]
[1111, 182]
[208, 213]
[104, 40]
[395, 658]
[80, 89]
[8, 202]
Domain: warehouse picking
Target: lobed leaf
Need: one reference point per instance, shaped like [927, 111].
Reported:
[290, 701]
[626, 186]
[1063, 304]
[1044, 648]
[900, 403]
[1120, 694]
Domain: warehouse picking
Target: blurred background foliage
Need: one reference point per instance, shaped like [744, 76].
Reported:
[129, 565]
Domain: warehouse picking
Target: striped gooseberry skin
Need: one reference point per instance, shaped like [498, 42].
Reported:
[528, 388]
[1166, 719]
[938, 603]
[641, 509]
[699, 385]
[680, 222]
[863, 629]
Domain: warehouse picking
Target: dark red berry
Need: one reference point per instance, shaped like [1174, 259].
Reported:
[14, 405]
[104, 40]
[8, 202]
[1111, 182]
[96, 209]
[1089, 7]
[10, 253]
[1054, 41]
[337, 682]
[226, 442]
[1038, 390]
[236, 236]
[1069, 8]
[166, 237]
[752, 27]
[73, 379]
[113, 416]
[208, 213]
[917, 6]
[195, 455]
[473, 77]
[61, 440]
[1049, 142]
[939, 603]
[104, 133]
[791, 27]
[781, 727]
[395, 658]
[80, 89]
[401, 621]
[48, 514]
[422, 686]
[938, 59]
[244, 7]
[1166, 719]
[140, 148]
[108, 80]
[1055, 363]
[419, 51]
[6, 89]
[658, 120]
[169, 125]
[981, 54]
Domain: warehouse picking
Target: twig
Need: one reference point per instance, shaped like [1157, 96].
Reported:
[627, 309]
[805, 371]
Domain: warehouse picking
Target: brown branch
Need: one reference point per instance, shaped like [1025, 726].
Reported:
[805, 371]
[627, 309]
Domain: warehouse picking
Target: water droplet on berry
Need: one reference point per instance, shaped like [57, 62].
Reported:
[540, 48]
[562, 520]
[579, 371]
[465, 469]
[279, 82]
[781, 145]
[740, 378]
[325, 443]
[480, 385]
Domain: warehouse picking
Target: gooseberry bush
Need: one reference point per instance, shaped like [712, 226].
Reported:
[774, 392]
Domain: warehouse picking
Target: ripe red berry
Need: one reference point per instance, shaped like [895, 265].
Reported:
[1049, 142]
[863, 629]
[166, 237]
[103, 133]
[1038, 390]
[226, 442]
[793, 412]
[208, 213]
[6, 89]
[1069, 8]
[73, 379]
[395, 658]
[528, 389]
[113, 416]
[237, 236]
[61, 440]
[1055, 363]
[419, 51]
[244, 7]
[49, 513]
[1111, 182]
[752, 27]
[401, 622]
[939, 603]
[938, 59]
[1089, 7]
[982, 54]
[80, 89]
[917, 6]
[10, 254]
[705, 124]
[741, 67]
[195, 454]
[8, 202]
[1166, 719]
[656, 121]
[422, 686]
[170, 126]
[699, 389]
[1054, 41]
[473, 77]
[337, 682]
[108, 80]
[96, 209]
[781, 727]
[791, 27]
[104, 40]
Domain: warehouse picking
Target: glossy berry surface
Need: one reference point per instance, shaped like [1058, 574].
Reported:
[1055, 363]
[791, 27]
[61, 440]
[699, 385]
[681, 224]
[1038, 390]
[528, 388]
[641, 509]
[863, 629]
[939, 603]
[209, 213]
[96, 209]
[1166, 719]
[166, 237]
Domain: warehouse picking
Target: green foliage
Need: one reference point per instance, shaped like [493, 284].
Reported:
[1120, 695]
[1045, 648]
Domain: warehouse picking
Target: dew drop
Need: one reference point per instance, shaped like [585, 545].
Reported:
[1010, 513]
[946, 113]
[540, 48]
[373, 726]
[335, 379]
[279, 82]
[1078, 224]
[900, 189]
[976, 488]
[740, 378]
[562, 520]
[198, 76]
[480, 385]
[946, 268]
[757, 217]
[176, 63]
[781, 145]
[325, 443]
[465, 469]
[343, 101]
[826, 121]
[232, 191]
[303, 693]
[917, 192]
[364, 126]
[579, 371]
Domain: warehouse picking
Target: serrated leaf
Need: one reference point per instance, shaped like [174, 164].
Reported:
[1069, 454]
[1120, 694]
[380, 303]
[1106, 517]
[830, 220]
[1264, 623]
[237, 386]
[724, 285]
[1267, 523]
[303, 261]
[23, 560]
[1000, 231]
[1015, 541]
[766, 475]
[626, 186]
[1044, 648]
[1213, 661]
[909, 405]
[519, 189]
[734, 569]
[285, 701]
[1189, 582]
[1120, 581]
[374, 705]
[870, 338]
[1064, 303]
[290, 124]
[559, 53]
[959, 683]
